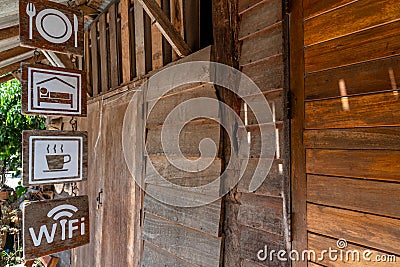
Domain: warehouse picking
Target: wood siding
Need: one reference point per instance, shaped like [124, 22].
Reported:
[351, 125]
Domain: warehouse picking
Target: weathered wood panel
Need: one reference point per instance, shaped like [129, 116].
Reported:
[363, 112]
[267, 74]
[125, 40]
[375, 43]
[119, 189]
[157, 45]
[355, 194]
[157, 257]
[367, 77]
[319, 243]
[348, 19]
[112, 12]
[205, 218]
[196, 247]
[374, 164]
[261, 212]
[272, 185]
[256, 19]
[356, 138]
[253, 240]
[262, 45]
[370, 230]
[189, 139]
[244, 5]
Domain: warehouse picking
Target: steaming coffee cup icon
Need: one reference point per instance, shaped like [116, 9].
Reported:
[56, 162]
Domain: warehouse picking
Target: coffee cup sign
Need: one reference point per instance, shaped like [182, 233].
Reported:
[54, 157]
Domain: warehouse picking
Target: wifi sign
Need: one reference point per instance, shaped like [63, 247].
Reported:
[55, 225]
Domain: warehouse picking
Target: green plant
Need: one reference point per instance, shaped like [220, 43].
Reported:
[12, 123]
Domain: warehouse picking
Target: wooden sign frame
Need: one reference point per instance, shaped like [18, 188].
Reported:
[51, 26]
[50, 90]
[52, 226]
[54, 157]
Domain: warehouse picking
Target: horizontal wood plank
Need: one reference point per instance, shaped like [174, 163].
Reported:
[367, 77]
[205, 218]
[262, 45]
[382, 109]
[267, 74]
[356, 138]
[253, 240]
[319, 243]
[371, 44]
[158, 257]
[195, 247]
[368, 230]
[256, 19]
[375, 197]
[351, 18]
[261, 212]
[374, 164]
[316, 7]
[243, 5]
[271, 186]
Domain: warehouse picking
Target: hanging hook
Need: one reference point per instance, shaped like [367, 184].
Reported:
[74, 124]
[37, 54]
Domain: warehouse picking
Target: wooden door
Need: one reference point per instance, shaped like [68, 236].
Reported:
[345, 68]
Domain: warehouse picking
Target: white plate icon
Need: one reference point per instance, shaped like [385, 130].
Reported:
[54, 26]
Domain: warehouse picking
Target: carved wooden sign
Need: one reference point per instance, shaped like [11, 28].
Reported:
[54, 157]
[53, 91]
[51, 26]
[55, 225]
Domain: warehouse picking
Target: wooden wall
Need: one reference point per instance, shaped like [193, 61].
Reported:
[351, 120]
[262, 216]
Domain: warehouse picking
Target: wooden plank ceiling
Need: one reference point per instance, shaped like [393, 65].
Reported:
[12, 54]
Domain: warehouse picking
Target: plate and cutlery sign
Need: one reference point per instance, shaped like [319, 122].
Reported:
[51, 26]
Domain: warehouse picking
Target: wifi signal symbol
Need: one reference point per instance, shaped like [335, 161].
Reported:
[62, 211]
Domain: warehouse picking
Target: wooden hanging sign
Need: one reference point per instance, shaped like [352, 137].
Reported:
[52, 226]
[53, 91]
[51, 26]
[54, 157]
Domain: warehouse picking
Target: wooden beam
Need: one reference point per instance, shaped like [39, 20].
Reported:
[15, 52]
[15, 66]
[9, 43]
[103, 56]
[113, 46]
[139, 39]
[9, 32]
[126, 42]
[94, 59]
[176, 9]
[15, 59]
[167, 29]
[156, 41]
[6, 78]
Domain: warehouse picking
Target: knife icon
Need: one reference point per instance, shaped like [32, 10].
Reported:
[76, 30]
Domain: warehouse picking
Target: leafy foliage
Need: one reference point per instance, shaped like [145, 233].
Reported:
[12, 123]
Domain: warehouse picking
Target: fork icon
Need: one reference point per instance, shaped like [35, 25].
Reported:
[31, 12]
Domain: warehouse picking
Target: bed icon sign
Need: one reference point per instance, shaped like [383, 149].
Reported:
[53, 91]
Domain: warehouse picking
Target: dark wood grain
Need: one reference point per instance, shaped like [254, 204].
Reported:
[381, 109]
[112, 12]
[247, 4]
[39, 42]
[103, 46]
[348, 19]
[24, 89]
[356, 138]
[382, 232]
[374, 164]
[368, 196]
[371, 44]
[367, 77]
[35, 215]
[94, 56]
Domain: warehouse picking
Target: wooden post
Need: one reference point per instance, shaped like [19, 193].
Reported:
[103, 53]
[87, 59]
[157, 49]
[139, 39]
[94, 59]
[125, 38]
[113, 46]
[176, 7]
